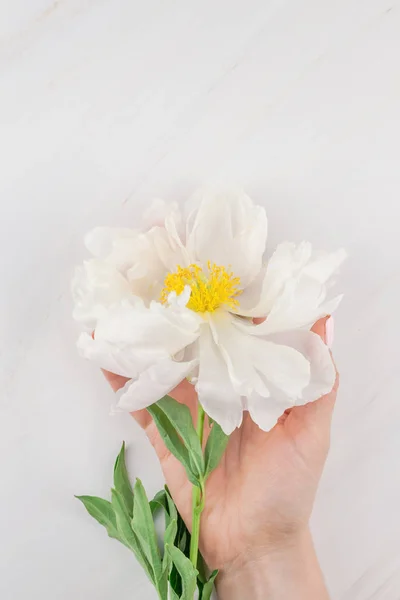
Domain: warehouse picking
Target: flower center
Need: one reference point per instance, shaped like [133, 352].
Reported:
[210, 288]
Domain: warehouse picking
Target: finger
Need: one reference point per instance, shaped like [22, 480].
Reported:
[320, 411]
[116, 381]
[326, 404]
[324, 328]
[320, 328]
[285, 415]
[258, 320]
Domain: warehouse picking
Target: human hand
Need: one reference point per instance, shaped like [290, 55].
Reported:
[259, 499]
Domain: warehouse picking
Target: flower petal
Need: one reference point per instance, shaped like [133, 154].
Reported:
[125, 361]
[133, 254]
[298, 307]
[234, 346]
[214, 387]
[285, 264]
[96, 286]
[293, 291]
[168, 247]
[146, 271]
[265, 412]
[325, 265]
[255, 364]
[144, 258]
[155, 214]
[282, 366]
[154, 383]
[100, 240]
[323, 372]
[164, 224]
[229, 230]
[157, 327]
[130, 337]
[166, 215]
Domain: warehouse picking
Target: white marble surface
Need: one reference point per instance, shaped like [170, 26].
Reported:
[107, 103]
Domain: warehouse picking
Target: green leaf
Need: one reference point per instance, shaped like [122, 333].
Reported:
[202, 569]
[143, 526]
[103, 512]
[182, 541]
[121, 481]
[183, 536]
[169, 538]
[175, 425]
[128, 536]
[175, 581]
[215, 448]
[170, 534]
[163, 499]
[173, 513]
[209, 586]
[173, 442]
[159, 501]
[172, 595]
[173, 532]
[186, 570]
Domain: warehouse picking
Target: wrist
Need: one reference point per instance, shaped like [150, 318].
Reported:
[287, 570]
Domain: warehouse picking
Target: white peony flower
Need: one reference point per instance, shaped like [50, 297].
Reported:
[178, 298]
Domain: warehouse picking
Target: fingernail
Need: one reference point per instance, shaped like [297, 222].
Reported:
[329, 332]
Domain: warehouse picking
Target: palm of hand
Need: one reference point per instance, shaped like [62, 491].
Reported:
[265, 484]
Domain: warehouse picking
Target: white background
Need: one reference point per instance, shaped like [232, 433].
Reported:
[105, 104]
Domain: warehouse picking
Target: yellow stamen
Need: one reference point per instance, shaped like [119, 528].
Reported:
[210, 289]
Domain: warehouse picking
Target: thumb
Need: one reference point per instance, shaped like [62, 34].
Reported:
[323, 408]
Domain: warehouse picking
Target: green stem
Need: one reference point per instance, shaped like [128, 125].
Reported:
[198, 497]
[201, 415]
